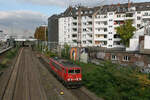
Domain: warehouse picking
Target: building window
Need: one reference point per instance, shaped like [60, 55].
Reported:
[84, 42]
[110, 20]
[118, 16]
[138, 25]
[105, 29]
[138, 12]
[105, 36]
[126, 58]
[138, 18]
[105, 23]
[110, 13]
[113, 57]
[75, 18]
[146, 14]
[110, 45]
[110, 26]
[84, 29]
[74, 35]
[110, 39]
[116, 36]
[110, 32]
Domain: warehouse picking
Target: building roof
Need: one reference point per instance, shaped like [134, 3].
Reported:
[103, 9]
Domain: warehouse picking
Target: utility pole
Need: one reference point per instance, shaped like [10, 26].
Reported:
[79, 30]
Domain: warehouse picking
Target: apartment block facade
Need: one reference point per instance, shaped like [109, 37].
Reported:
[97, 26]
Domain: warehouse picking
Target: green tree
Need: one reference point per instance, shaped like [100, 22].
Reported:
[126, 31]
[65, 52]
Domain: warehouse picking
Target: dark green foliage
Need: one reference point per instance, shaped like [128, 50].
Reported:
[113, 83]
[149, 76]
[65, 52]
[126, 32]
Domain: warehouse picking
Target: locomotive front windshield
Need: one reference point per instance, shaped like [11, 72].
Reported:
[76, 71]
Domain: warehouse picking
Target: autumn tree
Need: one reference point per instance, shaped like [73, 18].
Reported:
[40, 33]
[126, 32]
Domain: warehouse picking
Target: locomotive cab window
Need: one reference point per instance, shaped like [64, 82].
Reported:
[74, 71]
[77, 71]
[71, 71]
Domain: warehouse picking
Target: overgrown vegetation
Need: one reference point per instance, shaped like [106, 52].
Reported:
[115, 83]
[50, 54]
[125, 32]
[9, 56]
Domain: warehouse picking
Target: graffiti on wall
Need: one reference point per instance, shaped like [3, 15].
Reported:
[73, 54]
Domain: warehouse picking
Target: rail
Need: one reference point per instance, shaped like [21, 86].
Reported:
[4, 50]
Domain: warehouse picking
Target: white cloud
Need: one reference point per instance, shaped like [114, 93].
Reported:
[64, 3]
[21, 22]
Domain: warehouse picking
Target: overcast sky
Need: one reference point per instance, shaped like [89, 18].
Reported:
[21, 17]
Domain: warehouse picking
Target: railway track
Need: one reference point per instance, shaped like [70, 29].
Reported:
[79, 93]
[23, 83]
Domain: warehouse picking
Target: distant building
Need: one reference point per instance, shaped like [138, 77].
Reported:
[96, 26]
[53, 35]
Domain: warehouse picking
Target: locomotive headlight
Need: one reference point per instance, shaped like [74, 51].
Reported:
[80, 79]
[69, 79]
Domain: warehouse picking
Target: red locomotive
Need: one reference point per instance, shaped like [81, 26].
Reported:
[67, 72]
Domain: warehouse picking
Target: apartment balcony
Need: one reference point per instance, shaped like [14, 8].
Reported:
[100, 43]
[119, 18]
[129, 18]
[89, 33]
[75, 26]
[101, 19]
[89, 38]
[116, 25]
[101, 25]
[100, 39]
[100, 32]
[146, 17]
[75, 20]
[117, 39]
[74, 39]
[118, 46]
[89, 25]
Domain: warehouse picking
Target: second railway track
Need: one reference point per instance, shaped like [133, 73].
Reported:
[23, 83]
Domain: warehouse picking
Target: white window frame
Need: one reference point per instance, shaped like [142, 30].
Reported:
[114, 57]
[126, 58]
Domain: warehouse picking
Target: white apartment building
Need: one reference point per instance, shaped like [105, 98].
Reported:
[98, 24]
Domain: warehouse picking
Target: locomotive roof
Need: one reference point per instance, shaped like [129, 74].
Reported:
[66, 63]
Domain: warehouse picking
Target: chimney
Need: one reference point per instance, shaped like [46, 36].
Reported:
[129, 4]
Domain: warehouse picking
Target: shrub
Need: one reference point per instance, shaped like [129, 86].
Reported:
[113, 83]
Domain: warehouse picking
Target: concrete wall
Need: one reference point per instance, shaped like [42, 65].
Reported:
[147, 42]
[133, 58]
[134, 45]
